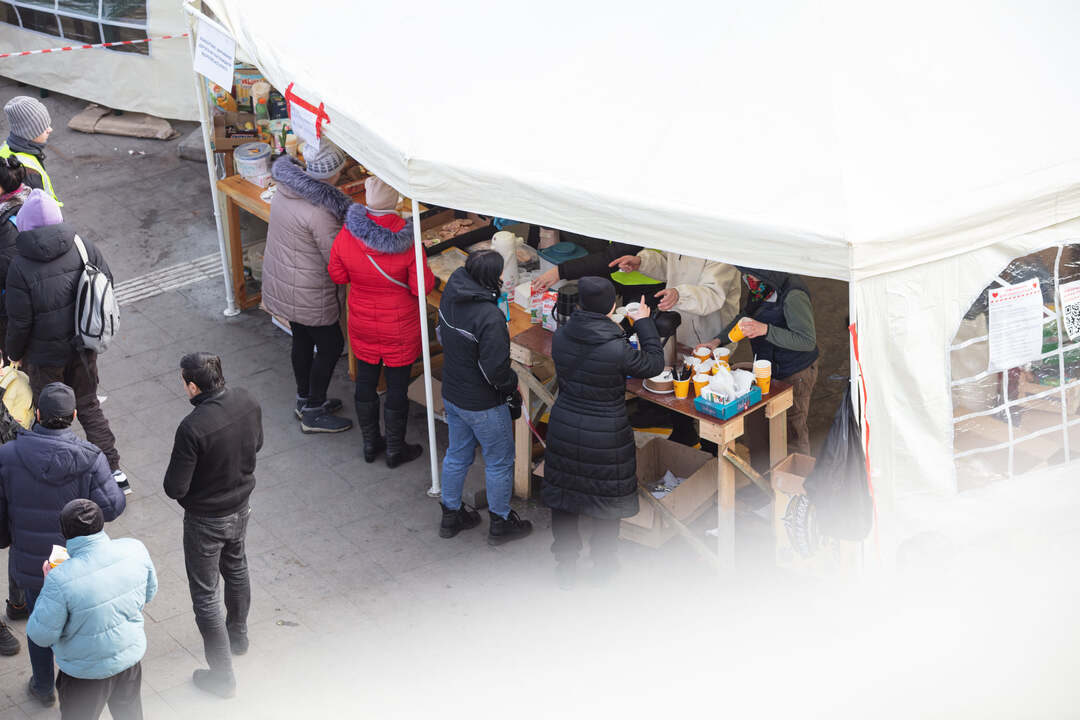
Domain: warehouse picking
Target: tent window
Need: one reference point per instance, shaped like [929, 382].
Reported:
[1028, 417]
[82, 21]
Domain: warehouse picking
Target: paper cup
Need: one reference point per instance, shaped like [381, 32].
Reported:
[682, 389]
[723, 356]
[702, 353]
[763, 375]
[735, 334]
[632, 308]
[701, 381]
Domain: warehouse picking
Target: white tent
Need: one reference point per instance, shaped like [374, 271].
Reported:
[912, 150]
[154, 77]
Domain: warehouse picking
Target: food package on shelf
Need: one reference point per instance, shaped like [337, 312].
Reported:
[547, 310]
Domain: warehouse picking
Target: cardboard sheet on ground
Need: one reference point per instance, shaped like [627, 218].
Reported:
[1016, 319]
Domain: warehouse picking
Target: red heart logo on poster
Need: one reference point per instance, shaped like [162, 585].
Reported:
[993, 295]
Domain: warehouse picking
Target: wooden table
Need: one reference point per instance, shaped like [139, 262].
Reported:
[535, 343]
[239, 194]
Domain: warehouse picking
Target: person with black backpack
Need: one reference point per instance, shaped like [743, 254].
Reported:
[42, 295]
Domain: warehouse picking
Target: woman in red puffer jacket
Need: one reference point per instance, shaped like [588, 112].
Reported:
[374, 254]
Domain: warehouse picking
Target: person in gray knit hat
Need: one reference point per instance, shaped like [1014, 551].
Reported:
[29, 127]
[305, 216]
[326, 162]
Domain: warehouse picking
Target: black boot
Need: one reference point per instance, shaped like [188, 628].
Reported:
[512, 528]
[683, 431]
[220, 684]
[398, 452]
[9, 644]
[367, 415]
[454, 521]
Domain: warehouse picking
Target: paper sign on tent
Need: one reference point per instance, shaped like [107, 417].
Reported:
[1070, 308]
[1016, 322]
[306, 118]
[215, 52]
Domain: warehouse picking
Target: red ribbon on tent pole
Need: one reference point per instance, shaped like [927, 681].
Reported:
[319, 112]
[866, 432]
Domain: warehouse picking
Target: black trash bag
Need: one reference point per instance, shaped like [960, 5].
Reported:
[838, 488]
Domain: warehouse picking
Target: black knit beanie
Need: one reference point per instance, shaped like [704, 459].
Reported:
[81, 517]
[596, 294]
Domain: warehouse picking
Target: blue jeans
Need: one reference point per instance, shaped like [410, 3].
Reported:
[493, 429]
[41, 658]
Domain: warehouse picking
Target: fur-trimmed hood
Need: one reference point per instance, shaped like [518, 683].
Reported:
[289, 174]
[375, 236]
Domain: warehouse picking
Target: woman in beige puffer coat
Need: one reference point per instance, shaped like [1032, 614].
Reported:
[305, 216]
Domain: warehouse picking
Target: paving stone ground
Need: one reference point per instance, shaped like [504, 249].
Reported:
[359, 608]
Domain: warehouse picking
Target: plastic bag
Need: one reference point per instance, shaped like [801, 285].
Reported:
[838, 488]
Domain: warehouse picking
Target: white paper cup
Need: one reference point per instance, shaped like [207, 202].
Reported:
[762, 368]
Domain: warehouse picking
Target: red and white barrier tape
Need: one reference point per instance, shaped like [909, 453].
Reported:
[89, 47]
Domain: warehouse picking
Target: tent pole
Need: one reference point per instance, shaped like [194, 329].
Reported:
[418, 247]
[204, 114]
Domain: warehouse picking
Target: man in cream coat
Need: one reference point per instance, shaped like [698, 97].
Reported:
[706, 294]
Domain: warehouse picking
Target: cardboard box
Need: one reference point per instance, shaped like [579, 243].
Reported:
[687, 502]
[419, 396]
[225, 139]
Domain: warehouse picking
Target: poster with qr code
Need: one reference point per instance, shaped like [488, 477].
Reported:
[1070, 308]
[1016, 320]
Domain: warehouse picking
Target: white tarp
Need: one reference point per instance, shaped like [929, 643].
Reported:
[914, 148]
[822, 138]
[158, 83]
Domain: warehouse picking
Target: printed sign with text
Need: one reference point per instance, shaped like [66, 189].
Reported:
[1016, 322]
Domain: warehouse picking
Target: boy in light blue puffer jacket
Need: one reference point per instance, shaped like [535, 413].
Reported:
[90, 613]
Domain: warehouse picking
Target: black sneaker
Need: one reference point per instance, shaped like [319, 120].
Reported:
[47, 699]
[121, 479]
[504, 531]
[9, 644]
[454, 521]
[17, 612]
[214, 683]
[238, 643]
[332, 405]
[317, 420]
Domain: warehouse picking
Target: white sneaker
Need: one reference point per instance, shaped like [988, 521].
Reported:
[122, 480]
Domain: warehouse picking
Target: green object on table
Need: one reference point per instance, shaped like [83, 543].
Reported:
[633, 278]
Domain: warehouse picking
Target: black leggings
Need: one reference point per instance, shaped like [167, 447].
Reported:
[313, 370]
[397, 384]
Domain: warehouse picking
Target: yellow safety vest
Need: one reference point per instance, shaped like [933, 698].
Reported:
[34, 164]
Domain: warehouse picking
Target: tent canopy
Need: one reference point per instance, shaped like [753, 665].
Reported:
[809, 137]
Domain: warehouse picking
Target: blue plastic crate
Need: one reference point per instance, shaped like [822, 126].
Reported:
[726, 411]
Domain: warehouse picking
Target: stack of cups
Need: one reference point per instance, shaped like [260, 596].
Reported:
[763, 375]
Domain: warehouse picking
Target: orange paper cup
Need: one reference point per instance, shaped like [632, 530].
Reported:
[701, 380]
[763, 383]
[735, 334]
[682, 389]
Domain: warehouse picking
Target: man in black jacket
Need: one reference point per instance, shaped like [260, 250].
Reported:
[40, 300]
[481, 398]
[211, 475]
